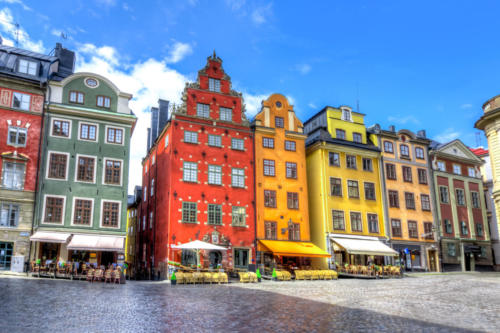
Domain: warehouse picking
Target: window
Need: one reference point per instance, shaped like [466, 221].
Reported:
[189, 212]
[17, 136]
[441, 166]
[356, 224]
[9, 215]
[346, 115]
[452, 249]
[21, 101]
[226, 114]
[443, 194]
[373, 223]
[419, 153]
[334, 159]
[145, 191]
[290, 145]
[238, 177]
[151, 219]
[60, 128]
[85, 169]
[369, 191]
[352, 189]
[356, 137]
[457, 169]
[350, 161]
[396, 228]
[428, 233]
[471, 172]
[76, 97]
[294, 232]
[239, 216]
[394, 199]
[388, 147]
[338, 220]
[83, 212]
[426, 202]
[475, 199]
[237, 144]
[269, 168]
[448, 228]
[410, 200]
[270, 198]
[412, 229]
[57, 166]
[279, 122]
[407, 176]
[190, 137]
[340, 134]
[214, 214]
[88, 132]
[460, 197]
[479, 229]
[292, 200]
[152, 190]
[190, 172]
[271, 230]
[166, 140]
[54, 210]
[268, 142]
[367, 164]
[213, 84]
[241, 258]
[113, 172]
[13, 175]
[114, 135]
[464, 229]
[104, 101]
[110, 214]
[390, 171]
[422, 176]
[405, 152]
[144, 223]
[335, 187]
[291, 170]
[27, 67]
[203, 110]
[214, 140]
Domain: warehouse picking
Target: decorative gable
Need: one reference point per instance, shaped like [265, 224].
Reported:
[459, 150]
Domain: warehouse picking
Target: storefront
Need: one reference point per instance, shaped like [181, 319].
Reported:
[50, 245]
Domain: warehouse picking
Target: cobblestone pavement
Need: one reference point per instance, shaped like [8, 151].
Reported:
[431, 303]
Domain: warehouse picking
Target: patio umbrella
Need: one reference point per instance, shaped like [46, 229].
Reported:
[198, 245]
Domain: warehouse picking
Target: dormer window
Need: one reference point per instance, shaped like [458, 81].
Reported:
[103, 101]
[27, 67]
[214, 85]
[346, 115]
[76, 97]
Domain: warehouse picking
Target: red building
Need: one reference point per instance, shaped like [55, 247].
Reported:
[198, 178]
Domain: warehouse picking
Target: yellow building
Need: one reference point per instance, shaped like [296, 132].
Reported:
[281, 187]
[344, 179]
[410, 210]
[132, 212]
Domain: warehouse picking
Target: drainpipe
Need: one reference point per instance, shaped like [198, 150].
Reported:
[254, 200]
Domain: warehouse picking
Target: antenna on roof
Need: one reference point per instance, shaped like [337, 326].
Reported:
[478, 139]
[64, 36]
[17, 33]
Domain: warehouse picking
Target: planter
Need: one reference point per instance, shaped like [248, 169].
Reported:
[173, 282]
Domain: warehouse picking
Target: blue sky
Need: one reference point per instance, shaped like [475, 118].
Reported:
[417, 65]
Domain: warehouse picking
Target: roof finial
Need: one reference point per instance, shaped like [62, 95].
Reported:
[214, 56]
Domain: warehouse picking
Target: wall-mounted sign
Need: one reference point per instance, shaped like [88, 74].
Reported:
[93, 255]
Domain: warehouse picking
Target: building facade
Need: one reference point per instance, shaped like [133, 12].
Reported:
[408, 197]
[132, 223]
[282, 210]
[198, 179]
[345, 197]
[464, 233]
[23, 84]
[82, 195]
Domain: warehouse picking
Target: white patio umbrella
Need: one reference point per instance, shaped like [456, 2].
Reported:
[198, 245]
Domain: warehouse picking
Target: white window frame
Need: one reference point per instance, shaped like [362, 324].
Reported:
[145, 194]
[76, 168]
[203, 110]
[152, 189]
[10, 205]
[28, 67]
[350, 220]
[244, 224]
[191, 134]
[368, 222]
[73, 208]
[349, 113]
[104, 159]
[3, 176]
[47, 167]
[114, 127]
[17, 129]
[214, 84]
[150, 220]
[238, 176]
[184, 172]
[119, 213]
[63, 214]
[80, 123]
[236, 146]
[217, 138]
[22, 98]
[455, 166]
[58, 136]
[224, 110]
[216, 175]
[166, 140]
[471, 172]
[441, 166]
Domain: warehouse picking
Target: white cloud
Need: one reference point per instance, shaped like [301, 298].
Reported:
[466, 106]
[447, 135]
[125, 7]
[17, 2]
[404, 120]
[106, 3]
[312, 105]
[235, 5]
[303, 68]
[261, 14]
[253, 103]
[11, 32]
[178, 52]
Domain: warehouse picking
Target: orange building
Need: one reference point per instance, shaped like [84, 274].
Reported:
[282, 217]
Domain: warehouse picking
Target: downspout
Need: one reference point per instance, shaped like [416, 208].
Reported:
[155, 220]
[252, 132]
[435, 209]
[322, 150]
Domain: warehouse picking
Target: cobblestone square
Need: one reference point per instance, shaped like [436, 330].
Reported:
[422, 303]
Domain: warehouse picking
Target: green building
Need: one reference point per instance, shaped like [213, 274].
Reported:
[82, 195]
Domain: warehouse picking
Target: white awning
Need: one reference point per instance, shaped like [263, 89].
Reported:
[50, 237]
[198, 245]
[363, 245]
[96, 243]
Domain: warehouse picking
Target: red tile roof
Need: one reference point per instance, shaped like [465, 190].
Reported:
[480, 151]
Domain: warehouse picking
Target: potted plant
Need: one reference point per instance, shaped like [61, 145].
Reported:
[259, 277]
[275, 276]
[173, 279]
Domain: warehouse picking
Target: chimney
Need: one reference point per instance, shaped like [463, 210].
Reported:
[162, 114]
[149, 139]
[392, 128]
[66, 60]
[154, 125]
[421, 134]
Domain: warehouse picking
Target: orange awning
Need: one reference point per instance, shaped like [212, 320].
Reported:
[294, 249]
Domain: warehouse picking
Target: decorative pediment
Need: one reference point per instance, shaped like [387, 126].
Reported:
[15, 156]
[459, 150]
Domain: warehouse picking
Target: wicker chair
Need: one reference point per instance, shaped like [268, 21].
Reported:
[223, 278]
[90, 275]
[179, 277]
[252, 277]
[244, 277]
[198, 277]
[314, 275]
[98, 275]
[207, 277]
[188, 278]
[107, 276]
